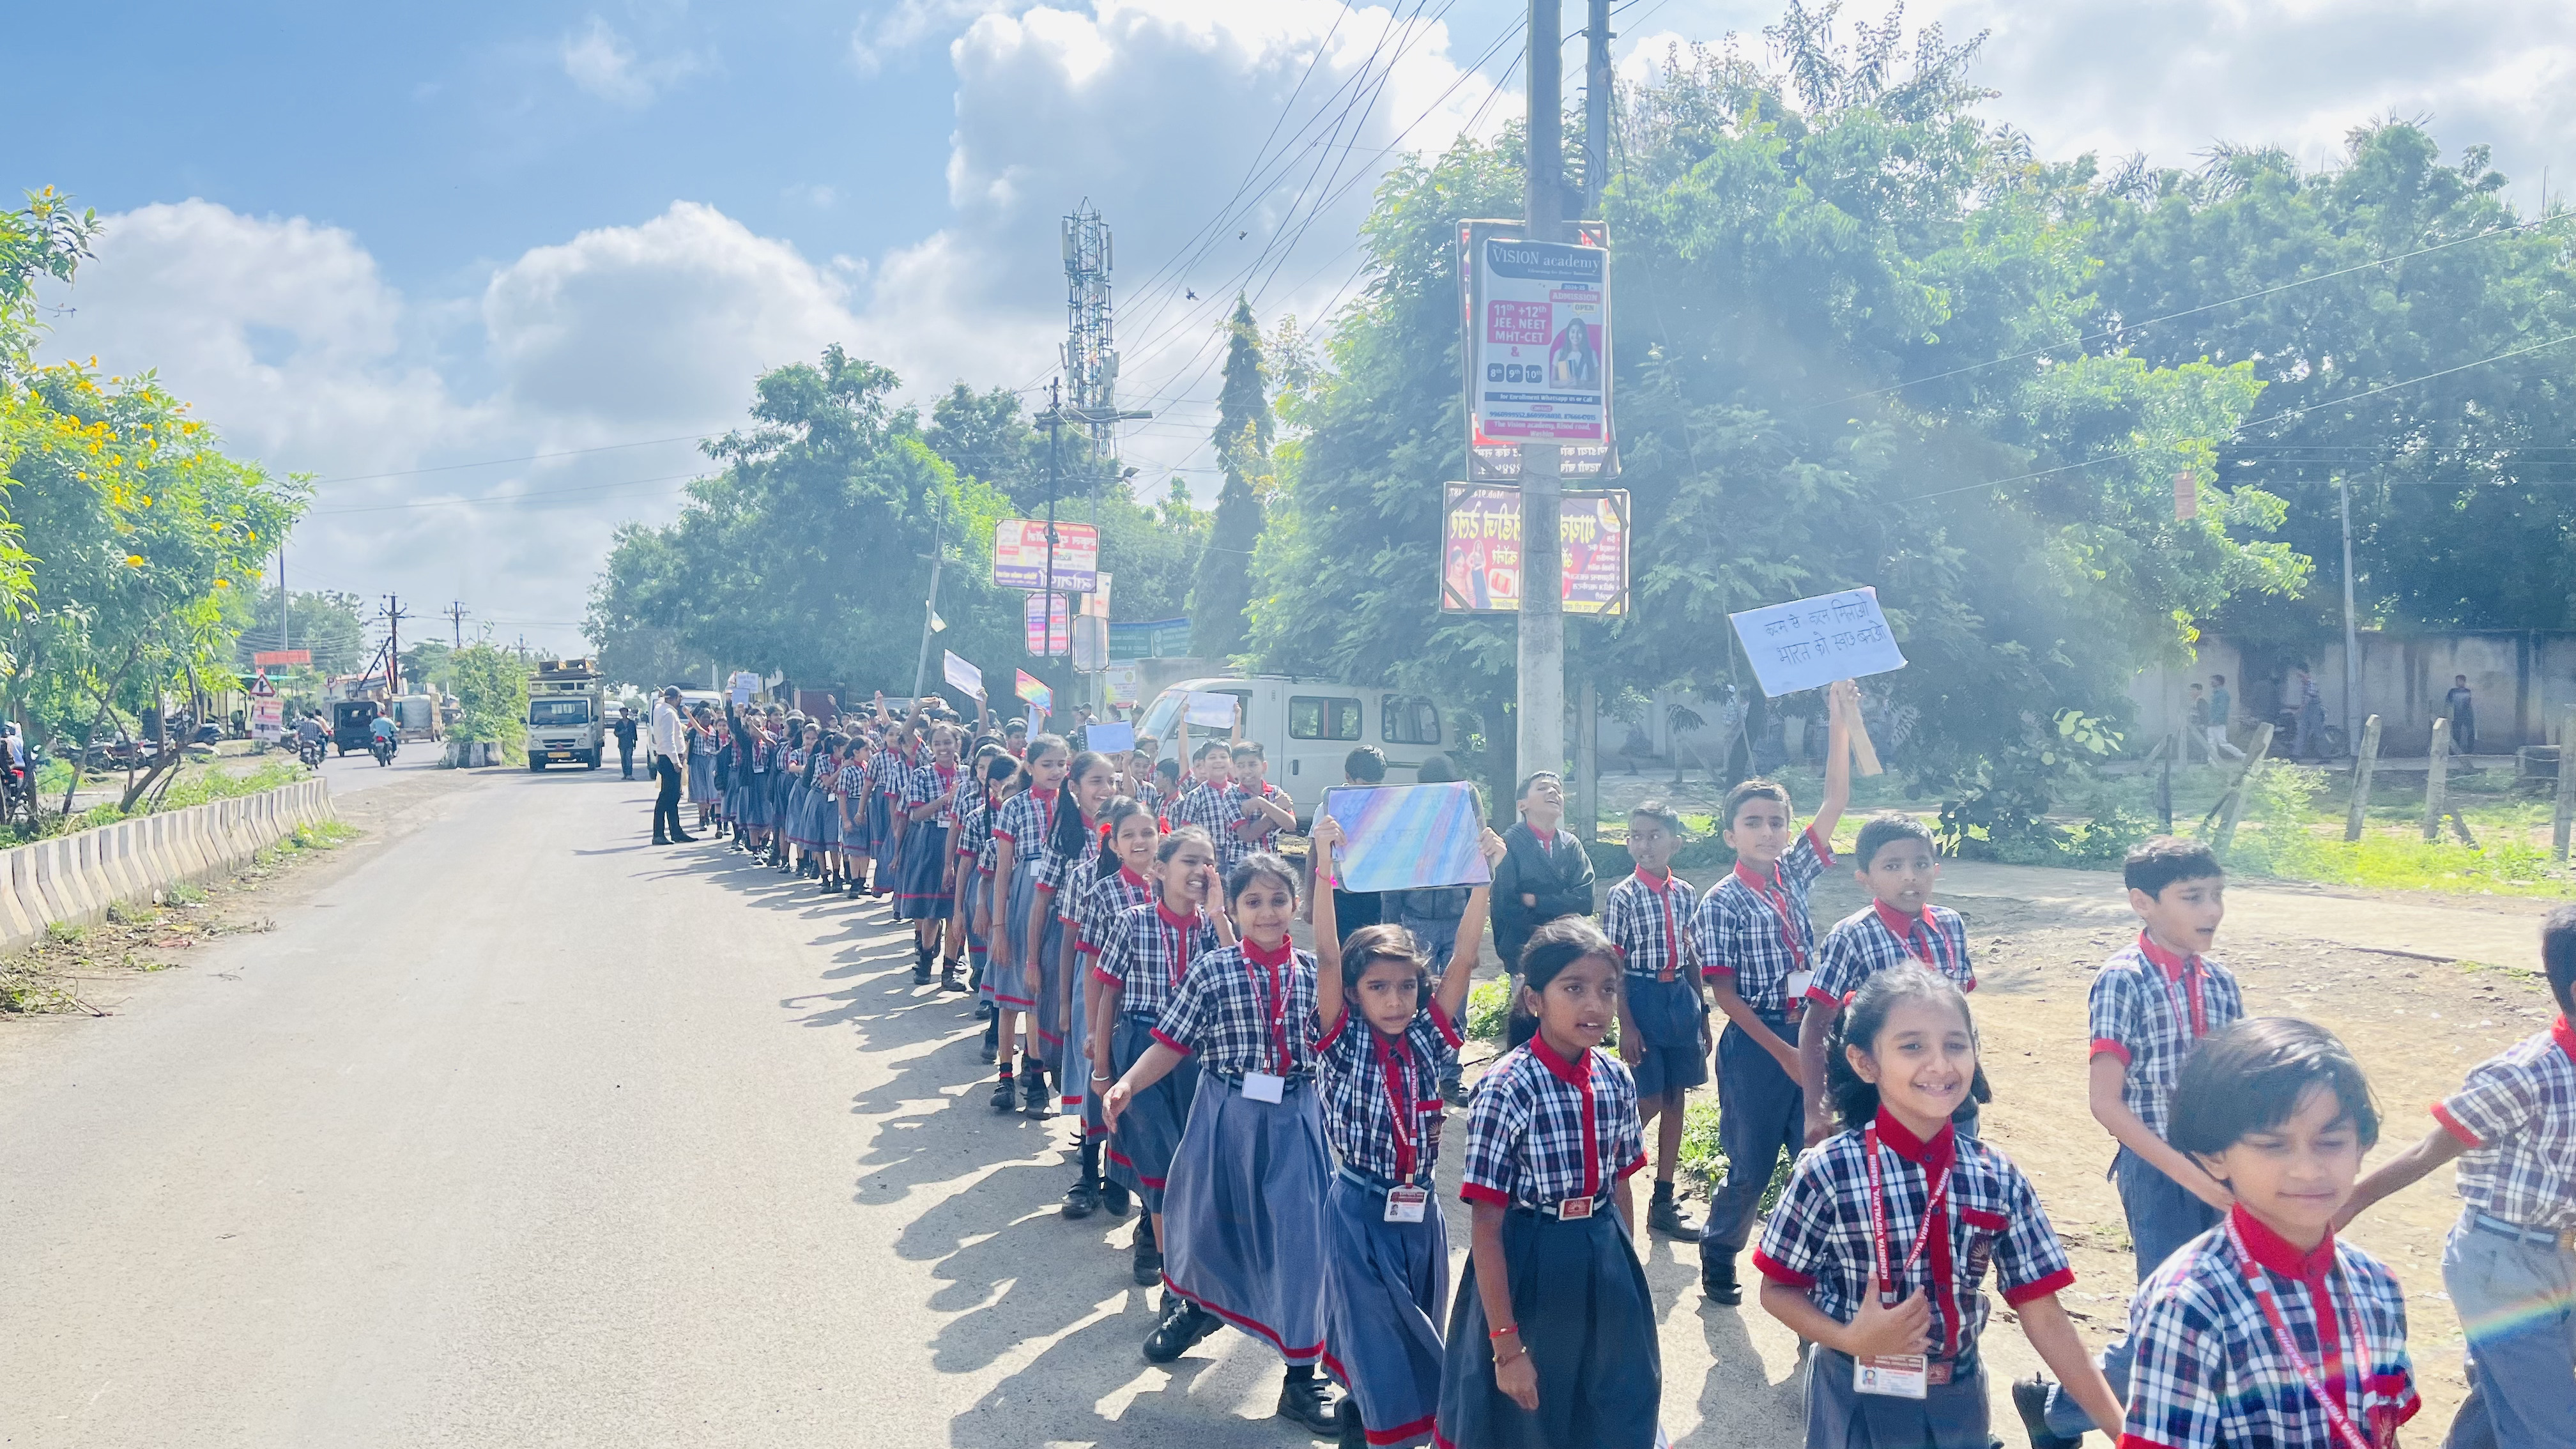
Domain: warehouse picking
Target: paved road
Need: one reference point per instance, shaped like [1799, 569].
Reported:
[517, 1132]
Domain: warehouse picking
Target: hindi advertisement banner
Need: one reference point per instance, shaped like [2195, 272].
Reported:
[1020, 556]
[268, 720]
[1813, 642]
[267, 658]
[1058, 637]
[1536, 328]
[1480, 555]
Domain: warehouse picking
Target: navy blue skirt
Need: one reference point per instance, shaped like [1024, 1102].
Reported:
[880, 833]
[979, 895]
[1386, 1288]
[1011, 985]
[921, 892]
[1243, 1214]
[799, 819]
[826, 814]
[1668, 1014]
[1149, 1131]
[702, 777]
[755, 803]
[1588, 1322]
[1948, 1416]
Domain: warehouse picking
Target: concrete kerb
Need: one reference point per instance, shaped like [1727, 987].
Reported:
[73, 878]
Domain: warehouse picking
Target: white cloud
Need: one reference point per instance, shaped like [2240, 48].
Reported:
[902, 27]
[601, 63]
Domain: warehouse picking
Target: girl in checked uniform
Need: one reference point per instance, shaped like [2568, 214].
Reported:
[1020, 842]
[1243, 1210]
[1072, 854]
[1383, 1041]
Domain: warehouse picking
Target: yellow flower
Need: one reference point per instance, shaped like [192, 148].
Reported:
[223, 583]
[134, 560]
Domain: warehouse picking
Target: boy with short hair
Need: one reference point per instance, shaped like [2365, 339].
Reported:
[1209, 804]
[1757, 950]
[1261, 809]
[1663, 1017]
[2509, 1265]
[2266, 1332]
[1896, 862]
[2151, 1005]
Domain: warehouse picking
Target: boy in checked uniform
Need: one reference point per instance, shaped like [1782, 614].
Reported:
[1663, 1018]
[2510, 1265]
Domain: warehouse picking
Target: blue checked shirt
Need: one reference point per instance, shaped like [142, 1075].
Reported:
[974, 825]
[2148, 1008]
[854, 788]
[1026, 820]
[1212, 810]
[1650, 923]
[2517, 1114]
[1104, 902]
[1544, 1129]
[1876, 938]
[926, 782]
[1146, 953]
[2209, 1370]
[1363, 1075]
[1239, 1015]
[1744, 934]
[1818, 1239]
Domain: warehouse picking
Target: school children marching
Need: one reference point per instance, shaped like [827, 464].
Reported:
[1276, 1117]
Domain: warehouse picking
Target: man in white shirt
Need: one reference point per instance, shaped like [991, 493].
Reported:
[670, 747]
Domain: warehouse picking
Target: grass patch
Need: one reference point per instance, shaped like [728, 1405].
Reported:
[1704, 1160]
[66, 933]
[2290, 837]
[131, 913]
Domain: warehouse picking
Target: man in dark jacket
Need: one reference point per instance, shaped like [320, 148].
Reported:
[1545, 873]
[624, 728]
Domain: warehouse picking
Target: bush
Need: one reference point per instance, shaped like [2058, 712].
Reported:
[492, 686]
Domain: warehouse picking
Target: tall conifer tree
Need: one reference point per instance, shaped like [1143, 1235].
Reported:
[1243, 427]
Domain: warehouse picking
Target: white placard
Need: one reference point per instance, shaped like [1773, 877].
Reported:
[1109, 737]
[1212, 709]
[961, 674]
[1813, 642]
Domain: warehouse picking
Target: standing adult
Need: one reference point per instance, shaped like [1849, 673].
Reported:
[2463, 710]
[1545, 875]
[2220, 703]
[624, 729]
[669, 749]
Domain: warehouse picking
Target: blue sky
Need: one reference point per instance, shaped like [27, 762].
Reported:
[410, 248]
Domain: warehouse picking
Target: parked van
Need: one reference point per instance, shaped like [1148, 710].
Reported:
[1307, 727]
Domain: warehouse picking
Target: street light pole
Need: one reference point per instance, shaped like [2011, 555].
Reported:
[1540, 733]
[2351, 630]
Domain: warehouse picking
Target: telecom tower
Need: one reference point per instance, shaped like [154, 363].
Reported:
[1090, 358]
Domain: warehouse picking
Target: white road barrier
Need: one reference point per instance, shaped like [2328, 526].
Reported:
[73, 878]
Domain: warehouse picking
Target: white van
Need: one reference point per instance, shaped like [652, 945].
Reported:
[1307, 726]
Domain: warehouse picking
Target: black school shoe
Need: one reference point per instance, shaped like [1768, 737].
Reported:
[992, 1040]
[1717, 1280]
[920, 967]
[1664, 1217]
[1033, 1095]
[1006, 1094]
[1354, 1434]
[1184, 1323]
[2030, 1401]
[1082, 1199]
[1114, 1196]
[1149, 1254]
[1308, 1402]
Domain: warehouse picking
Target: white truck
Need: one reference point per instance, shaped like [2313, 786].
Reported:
[567, 713]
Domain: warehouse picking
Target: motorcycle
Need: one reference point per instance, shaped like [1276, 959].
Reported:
[310, 752]
[382, 747]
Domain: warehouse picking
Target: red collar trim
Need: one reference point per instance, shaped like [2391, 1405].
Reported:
[1253, 952]
[1943, 1148]
[1766, 884]
[1657, 883]
[1131, 877]
[1043, 797]
[1175, 921]
[1568, 1072]
[2564, 1035]
[1899, 922]
[2175, 967]
[2276, 1253]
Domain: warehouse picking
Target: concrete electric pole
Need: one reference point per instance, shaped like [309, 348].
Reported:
[1540, 736]
[456, 617]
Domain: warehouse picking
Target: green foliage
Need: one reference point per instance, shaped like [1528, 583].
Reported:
[492, 687]
[1244, 429]
[1489, 1009]
[1703, 1160]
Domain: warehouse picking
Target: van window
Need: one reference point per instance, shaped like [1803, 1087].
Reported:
[1410, 722]
[1313, 717]
[1166, 710]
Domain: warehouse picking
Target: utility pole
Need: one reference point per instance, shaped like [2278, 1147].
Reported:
[394, 616]
[930, 609]
[456, 617]
[2351, 630]
[284, 635]
[1596, 105]
[1046, 597]
[1540, 736]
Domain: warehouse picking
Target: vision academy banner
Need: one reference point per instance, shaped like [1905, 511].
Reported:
[1536, 321]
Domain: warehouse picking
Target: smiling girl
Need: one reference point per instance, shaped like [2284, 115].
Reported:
[1555, 1347]
[1879, 1246]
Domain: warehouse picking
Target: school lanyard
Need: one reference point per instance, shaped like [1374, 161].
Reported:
[1400, 1097]
[1925, 939]
[1934, 1220]
[1180, 943]
[2321, 1294]
[1672, 937]
[1778, 901]
[1275, 1004]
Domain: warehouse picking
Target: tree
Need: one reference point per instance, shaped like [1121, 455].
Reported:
[1223, 586]
[492, 693]
[1792, 248]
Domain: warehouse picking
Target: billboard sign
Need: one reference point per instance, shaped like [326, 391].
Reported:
[1480, 553]
[1536, 327]
[1020, 555]
[1057, 638]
